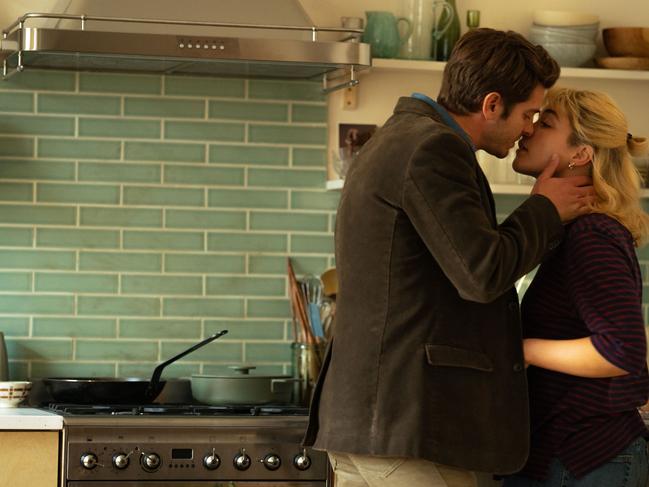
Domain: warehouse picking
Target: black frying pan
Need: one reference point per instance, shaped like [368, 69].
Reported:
[107, 390]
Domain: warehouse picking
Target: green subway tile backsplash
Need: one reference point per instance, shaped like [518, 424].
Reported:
[114, 127]
[309, 157]
[247, 198]
[309, 113]
[153, 329]
[120, 306]
[13, 326]
[116, 350]
[119, 172]
[226, 132]
[249, 155]
[34, 214]
[249, 286]
[15, 281]
[37, 80]
[196, 175]
[36, 259]
[120, 217]
[270, 112]
[39, 349]
[202, 307]
[74, 282]
[204, 263]
[78, 104]
[79, 149]
[16, 102]
[160, 285]
[77, 238]
[16, 191]
[36, 125]
[142, 213]
[120, 83]
[16, 146]
[287, 134]
[281, 90]
[247, 329]
[16, 237]
[295, 178]
[77, 193]
[160, 107]
[163, 240]
[164, 151]
[206, 219]
[189, 86]
[37, 169]
[143, 195]
[75, 327]
[120, 261]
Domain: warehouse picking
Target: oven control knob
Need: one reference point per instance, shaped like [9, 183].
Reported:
[272, 461]
[88, 461]
[120, 461]
[302, 461]
[211, 461]
[242, 461]
[150, 461]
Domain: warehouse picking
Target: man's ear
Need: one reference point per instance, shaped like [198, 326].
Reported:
[492, 106]
[583, 155]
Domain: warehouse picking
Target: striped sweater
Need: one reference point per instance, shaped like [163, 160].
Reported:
[590, 286]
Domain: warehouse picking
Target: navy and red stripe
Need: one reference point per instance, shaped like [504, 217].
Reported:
[590, 286]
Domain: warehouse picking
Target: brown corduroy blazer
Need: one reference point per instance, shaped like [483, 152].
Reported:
[426, 358]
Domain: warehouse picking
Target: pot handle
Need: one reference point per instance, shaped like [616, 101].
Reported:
[154, 384]
[280, 381]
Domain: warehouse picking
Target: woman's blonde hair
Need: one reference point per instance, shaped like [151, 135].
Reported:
[598, 122]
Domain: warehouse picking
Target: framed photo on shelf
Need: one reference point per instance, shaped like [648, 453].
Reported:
[351, 138]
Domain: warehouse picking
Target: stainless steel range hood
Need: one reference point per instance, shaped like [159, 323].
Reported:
[166, 45]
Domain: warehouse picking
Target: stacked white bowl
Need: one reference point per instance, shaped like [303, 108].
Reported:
[569, 37]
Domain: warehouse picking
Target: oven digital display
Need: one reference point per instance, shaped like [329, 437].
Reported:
[182, 453]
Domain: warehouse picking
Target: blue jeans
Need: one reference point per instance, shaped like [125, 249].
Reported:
[628, 469]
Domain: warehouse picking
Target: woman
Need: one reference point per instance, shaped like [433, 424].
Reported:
[582, 314]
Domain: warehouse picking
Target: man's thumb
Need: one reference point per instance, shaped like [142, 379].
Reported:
[549, 170]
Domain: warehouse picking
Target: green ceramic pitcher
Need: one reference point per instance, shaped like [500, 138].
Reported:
[382, 33]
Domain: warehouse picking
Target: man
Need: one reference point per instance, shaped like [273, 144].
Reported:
[424, 380]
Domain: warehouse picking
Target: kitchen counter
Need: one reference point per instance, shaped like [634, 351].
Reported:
[29, 419]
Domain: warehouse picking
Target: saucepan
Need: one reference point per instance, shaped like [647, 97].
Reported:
[110, 390]
[243, 388]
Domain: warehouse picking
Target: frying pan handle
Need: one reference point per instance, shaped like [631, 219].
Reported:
[152, 391]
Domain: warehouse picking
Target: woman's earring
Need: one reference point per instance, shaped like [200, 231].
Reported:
[571, 166]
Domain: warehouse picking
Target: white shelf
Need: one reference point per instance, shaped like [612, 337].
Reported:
[385, 65]
[337, 184]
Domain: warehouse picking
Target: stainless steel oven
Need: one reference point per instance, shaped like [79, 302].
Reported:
[188, 446]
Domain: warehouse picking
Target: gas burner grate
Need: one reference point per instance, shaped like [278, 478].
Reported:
[175, 410]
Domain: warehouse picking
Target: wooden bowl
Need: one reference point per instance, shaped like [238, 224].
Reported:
[627, 41]
[623, 62]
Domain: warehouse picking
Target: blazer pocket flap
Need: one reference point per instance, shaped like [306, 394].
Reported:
[445, 356]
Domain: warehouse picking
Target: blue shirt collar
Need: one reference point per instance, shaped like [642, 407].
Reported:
[446, 117]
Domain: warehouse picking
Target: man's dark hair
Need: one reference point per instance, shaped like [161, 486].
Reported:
[486, 60]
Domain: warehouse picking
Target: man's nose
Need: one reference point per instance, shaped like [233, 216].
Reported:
[528, 129]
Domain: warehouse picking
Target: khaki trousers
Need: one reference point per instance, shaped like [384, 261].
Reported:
[369, 471]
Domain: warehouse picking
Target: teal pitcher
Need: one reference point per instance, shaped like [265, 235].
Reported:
[382, 33]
